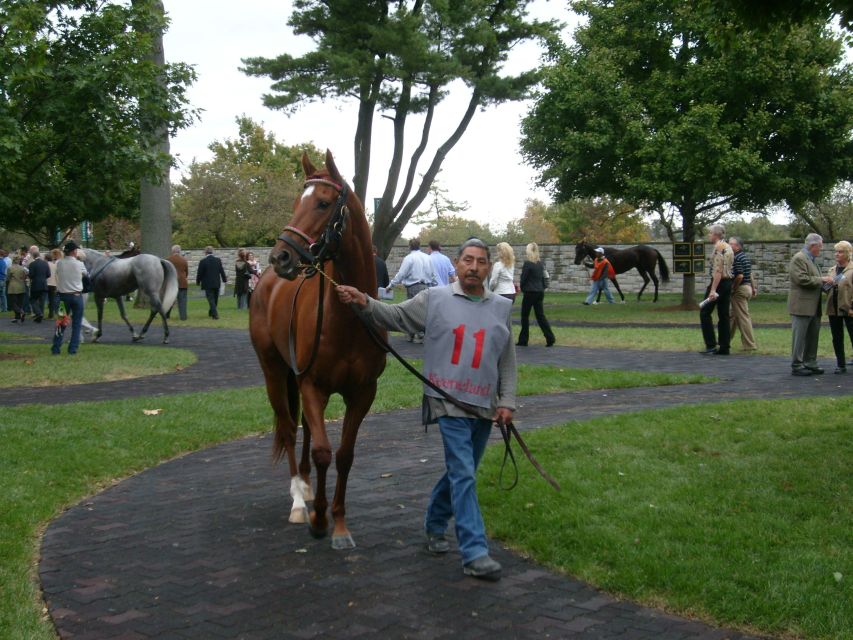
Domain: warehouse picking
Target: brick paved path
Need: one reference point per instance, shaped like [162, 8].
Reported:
[200, 547]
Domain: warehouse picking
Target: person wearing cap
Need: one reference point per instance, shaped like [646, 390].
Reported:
[69, 284]
[601, 273]
[469, 353]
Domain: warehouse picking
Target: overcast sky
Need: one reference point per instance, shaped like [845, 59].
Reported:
[485, 168]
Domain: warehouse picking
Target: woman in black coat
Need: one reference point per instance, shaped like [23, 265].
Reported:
[533, 285]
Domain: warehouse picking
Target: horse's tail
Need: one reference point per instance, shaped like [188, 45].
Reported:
[169, 289]
[664, 270]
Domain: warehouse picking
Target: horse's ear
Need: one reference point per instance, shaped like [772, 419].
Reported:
[332, 168]
[307, 166]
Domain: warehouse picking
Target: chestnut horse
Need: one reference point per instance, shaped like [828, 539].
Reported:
[310, 345]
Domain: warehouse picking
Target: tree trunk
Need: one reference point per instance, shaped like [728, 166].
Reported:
[154, 201]
[688, 286]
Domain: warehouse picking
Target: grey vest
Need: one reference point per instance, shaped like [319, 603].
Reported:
[463, 342]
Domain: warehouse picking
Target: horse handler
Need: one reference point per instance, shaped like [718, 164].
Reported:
[469, 353]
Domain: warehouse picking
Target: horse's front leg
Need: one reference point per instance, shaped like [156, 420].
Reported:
[120, 304]
[314, 403]
[357, 407]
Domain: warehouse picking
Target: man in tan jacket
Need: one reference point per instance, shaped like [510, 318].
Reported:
[718, 295]
[804, 303]
[183, 269]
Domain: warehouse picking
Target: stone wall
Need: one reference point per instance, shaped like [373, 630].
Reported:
[769, 261]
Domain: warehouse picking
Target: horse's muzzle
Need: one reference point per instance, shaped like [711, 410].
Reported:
[284, 263]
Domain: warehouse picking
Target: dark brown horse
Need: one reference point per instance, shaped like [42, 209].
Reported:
[307, 360]
[642, 258]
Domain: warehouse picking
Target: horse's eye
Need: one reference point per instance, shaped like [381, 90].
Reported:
[323, 204]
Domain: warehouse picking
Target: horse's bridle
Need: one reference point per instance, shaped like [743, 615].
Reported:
[313, 253]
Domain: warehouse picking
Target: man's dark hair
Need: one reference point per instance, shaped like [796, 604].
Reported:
[414, 244]
[474, 242]
[433, 244]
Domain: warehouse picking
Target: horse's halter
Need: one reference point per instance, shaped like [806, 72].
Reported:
[314, 253]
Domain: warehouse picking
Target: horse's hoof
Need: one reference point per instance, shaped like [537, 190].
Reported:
[165, 340]
[138, 338]
[342, 542]
[298, 516]
[316, 532]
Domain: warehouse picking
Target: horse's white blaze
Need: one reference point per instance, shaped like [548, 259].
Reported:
[308, 191]
[300, 491]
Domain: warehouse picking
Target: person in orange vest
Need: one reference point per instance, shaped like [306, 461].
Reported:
[601, 273]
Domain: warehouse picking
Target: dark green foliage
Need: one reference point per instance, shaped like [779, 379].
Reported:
[681, 110]
[79, 100]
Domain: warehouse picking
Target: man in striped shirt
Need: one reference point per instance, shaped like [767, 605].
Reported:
[743, 288]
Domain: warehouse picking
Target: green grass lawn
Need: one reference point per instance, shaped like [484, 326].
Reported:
[33, 365]
[770, 308]
[53, 456]
[769, 341]
[740, 513]
[767, 308]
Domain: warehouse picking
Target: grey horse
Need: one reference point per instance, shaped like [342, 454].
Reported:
[115, 277]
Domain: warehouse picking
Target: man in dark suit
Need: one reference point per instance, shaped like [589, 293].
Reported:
[382, 278]
[209, 276]
[39, 273]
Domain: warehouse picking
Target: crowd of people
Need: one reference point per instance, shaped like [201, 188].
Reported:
[29, 288]
[732, 285]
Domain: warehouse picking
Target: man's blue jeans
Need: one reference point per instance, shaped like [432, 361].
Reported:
[593, 290]
[74, 305]
[4, 305]
[455, 494]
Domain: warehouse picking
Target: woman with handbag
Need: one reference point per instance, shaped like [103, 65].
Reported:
[534, 281]
[839, 304]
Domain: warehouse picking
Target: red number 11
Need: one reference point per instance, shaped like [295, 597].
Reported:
[479, 339]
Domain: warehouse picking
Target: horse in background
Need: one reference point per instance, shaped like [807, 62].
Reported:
[310, 345]
[114, 277]
[641, 257]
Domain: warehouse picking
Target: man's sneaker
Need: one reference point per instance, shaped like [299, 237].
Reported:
[437, 543]
[483, 568]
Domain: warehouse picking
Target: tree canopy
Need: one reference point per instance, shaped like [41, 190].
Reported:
[668, 106]
[598, 220]
[244, 195]
[832, 217]
[399, 58]
[533, 226]
[78, 95]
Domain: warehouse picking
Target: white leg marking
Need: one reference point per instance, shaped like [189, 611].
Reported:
[297, 491]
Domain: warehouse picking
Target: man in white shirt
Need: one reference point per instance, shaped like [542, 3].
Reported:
[416, 274]
[445, 272]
